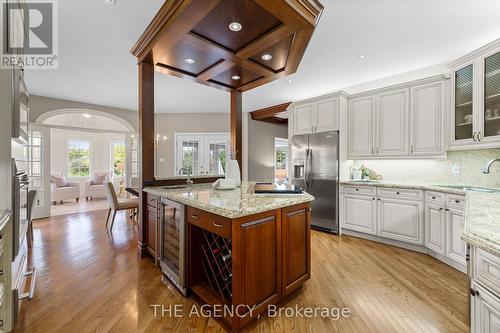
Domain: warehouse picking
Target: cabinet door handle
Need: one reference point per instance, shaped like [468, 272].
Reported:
[474, 292]
[378, 199]
[377, 150]
[411, 149]
[373, 198]
[398, 193]
[447, 210]
[434, 198]
[479, 136]
[373, 148]
[357, 189]
[440, 209]
[218, 225]
[474, 136]
[457, 201]
[194, 216]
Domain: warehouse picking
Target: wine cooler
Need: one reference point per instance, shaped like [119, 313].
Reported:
[173, 243]
[217, 263]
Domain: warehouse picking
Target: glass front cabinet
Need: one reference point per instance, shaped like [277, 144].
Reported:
[475, 101]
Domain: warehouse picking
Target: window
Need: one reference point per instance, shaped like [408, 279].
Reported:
[280, 155]
[118, 158]
[201, 154]
[35, 164]
[79, 158]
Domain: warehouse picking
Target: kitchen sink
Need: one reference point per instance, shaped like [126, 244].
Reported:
[471, 188]
[173, 187]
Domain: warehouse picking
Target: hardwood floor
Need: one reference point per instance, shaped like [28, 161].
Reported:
[89, 281]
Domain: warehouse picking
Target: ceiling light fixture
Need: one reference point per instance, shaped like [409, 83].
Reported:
[190, 60]
[235, 77]
[86, 115]
[266, 57]
[289, 80]
[109, 2]
[362, 56]
[235, 26]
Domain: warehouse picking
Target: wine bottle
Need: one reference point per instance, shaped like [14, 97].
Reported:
[227, 257]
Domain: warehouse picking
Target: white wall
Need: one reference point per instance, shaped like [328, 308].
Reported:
[100, 151]
[261, 148]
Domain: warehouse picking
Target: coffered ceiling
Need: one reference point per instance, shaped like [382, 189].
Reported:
[229, 44]
[95, 64]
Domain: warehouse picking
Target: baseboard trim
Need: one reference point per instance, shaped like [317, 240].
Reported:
[412, 247]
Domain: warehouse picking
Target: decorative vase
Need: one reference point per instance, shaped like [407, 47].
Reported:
[233, 172]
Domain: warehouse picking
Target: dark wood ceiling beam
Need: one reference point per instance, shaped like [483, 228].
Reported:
[214, 70]
[268, 112]
[286, 12]
[264, 42]
[208, 46]
[169, 25]
[162, 68]
[300, 41]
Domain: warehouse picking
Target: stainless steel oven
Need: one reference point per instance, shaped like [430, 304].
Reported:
[20, 106]
[173, 243]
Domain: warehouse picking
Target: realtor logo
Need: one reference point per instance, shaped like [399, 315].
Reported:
[29, 34]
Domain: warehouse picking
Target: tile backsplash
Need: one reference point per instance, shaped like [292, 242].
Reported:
[460, 167]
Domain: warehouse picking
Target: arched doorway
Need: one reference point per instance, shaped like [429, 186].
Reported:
[79, 145]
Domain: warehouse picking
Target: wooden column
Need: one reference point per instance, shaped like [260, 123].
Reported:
[236, 130]
[147, 130]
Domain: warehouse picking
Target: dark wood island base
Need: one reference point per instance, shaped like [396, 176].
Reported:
[243, 265]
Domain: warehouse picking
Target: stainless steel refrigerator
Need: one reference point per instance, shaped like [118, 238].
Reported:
[315, 161]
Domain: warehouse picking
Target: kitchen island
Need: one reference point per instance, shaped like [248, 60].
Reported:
[244, 251]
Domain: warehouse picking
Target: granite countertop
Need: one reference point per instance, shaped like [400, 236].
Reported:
[229, 203]
[186, 177]
[482, 212]
[482, 221]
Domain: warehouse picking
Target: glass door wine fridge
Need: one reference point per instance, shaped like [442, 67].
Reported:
[173, 243]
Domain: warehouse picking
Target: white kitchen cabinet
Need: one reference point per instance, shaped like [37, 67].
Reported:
[455, 246]
[361, 126]
[359, 213]
[435, 228]
[302, 118]
[485, 310]
[427, 119]
[475, 99]
[400, 220]
[392, 123]
[321, 114]
[402, 121]
[326, 115]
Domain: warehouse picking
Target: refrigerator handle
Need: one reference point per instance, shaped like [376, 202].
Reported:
[307, 171]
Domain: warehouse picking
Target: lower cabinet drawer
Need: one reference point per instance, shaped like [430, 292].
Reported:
[487, 269]
[400, 193]
[455, 201]
[435, 198]
[214, 223]
[364, 190]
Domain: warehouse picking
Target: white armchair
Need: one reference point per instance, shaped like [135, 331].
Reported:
[61, 190]
[94, 188]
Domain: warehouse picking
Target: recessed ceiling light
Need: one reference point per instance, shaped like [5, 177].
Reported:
[235, 77]
[289, 80]
[190, 60]
[109, 2]
[362, 56]
[86, 115]
[235, 26]
[266, 57]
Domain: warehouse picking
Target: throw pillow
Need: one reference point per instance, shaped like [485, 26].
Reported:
[60, 181]
[98, 179]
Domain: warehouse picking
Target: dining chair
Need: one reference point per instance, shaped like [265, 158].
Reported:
[115, 204]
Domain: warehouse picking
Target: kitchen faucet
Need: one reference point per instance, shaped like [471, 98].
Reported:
[486, 169]
[189, 181]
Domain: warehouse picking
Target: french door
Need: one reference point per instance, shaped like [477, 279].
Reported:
[39, 169]
[201, 154]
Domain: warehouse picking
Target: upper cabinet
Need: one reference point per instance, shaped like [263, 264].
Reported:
[398, 122]
[316, 115]
[475, 99]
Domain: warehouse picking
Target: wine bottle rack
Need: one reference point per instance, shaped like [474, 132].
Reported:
[217, 263]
